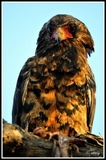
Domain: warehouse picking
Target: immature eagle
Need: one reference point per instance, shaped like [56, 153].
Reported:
[56, 87]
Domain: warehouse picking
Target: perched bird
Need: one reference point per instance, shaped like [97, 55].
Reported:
[56, 88]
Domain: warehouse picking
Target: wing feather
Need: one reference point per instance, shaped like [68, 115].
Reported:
[91, 98]
[21, 91]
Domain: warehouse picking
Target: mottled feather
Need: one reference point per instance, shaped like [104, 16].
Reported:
[56, 87]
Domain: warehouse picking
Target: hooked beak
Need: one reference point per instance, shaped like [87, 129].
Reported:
[61, 33]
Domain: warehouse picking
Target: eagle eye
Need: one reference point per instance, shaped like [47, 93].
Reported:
[72, 29]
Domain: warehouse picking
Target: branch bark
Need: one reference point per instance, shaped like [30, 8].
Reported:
[19, 143]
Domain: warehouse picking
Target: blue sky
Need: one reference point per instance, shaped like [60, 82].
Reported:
[21, 23]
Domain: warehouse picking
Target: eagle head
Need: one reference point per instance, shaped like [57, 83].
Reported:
[64, 28]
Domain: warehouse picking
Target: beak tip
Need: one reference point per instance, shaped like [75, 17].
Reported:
[58, 40]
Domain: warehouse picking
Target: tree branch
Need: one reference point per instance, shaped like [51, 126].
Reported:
[19, 143]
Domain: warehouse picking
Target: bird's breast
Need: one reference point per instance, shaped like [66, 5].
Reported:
[59, 102]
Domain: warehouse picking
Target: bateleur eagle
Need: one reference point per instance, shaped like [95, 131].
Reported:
[56, 87]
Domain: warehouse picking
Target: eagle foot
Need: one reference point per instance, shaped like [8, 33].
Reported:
[41, 131]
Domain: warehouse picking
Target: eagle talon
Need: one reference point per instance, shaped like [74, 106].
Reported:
[41, 131]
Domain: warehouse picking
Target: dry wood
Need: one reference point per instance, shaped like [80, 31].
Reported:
[19, 143]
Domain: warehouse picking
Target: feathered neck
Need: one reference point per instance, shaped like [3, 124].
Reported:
[62, 57]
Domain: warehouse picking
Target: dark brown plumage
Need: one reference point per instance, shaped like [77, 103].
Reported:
[56, 87]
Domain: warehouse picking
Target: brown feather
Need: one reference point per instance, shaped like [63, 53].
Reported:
[56, 88]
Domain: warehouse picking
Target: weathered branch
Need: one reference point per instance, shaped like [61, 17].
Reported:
[19, 143]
